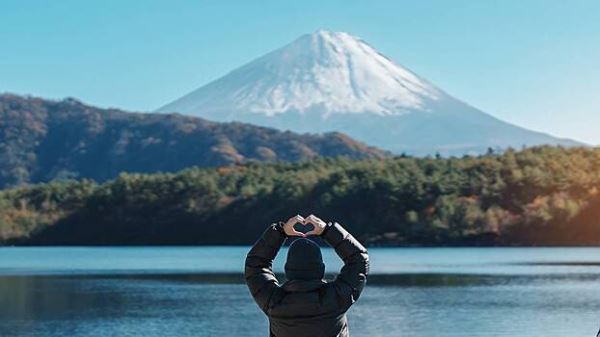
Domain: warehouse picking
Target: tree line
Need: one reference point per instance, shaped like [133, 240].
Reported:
[537, 196]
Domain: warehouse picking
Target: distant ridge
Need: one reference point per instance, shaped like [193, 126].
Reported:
[42, 140]
[333, 81]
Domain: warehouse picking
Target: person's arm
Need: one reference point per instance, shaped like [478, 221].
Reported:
[258, 270]
[352, 278]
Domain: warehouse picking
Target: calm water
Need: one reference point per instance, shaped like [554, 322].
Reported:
[157, 292]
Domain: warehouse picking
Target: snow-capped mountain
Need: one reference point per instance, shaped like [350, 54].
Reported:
[333, 81]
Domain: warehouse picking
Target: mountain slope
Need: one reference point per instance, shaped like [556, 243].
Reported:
[41, 140]
[329, 81]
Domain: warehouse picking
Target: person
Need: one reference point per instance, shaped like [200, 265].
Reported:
[306, 305]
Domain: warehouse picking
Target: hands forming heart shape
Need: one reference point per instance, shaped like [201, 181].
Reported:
[318, 225]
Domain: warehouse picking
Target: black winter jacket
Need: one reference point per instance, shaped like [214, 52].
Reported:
[314, 308]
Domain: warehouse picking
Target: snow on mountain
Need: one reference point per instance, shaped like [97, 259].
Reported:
[333, 81]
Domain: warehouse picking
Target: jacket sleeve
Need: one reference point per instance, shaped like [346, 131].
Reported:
[259, 265]
[353, 276]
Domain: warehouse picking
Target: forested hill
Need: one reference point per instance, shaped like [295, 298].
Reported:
[539, 196]
[42, 140]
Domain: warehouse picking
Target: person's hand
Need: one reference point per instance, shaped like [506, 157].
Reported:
[318, 224]
[289, 229]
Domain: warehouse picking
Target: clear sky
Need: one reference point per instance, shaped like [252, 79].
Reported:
[535, 63]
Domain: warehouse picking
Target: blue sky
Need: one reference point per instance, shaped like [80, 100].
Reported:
[533, 63]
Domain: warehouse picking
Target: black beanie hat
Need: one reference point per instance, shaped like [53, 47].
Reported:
[304, 261]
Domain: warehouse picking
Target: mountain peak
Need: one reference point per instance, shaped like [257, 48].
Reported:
[328, 35]
[324, 72]
[334, 81]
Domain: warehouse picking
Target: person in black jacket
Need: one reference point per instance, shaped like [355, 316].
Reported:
[306, 305]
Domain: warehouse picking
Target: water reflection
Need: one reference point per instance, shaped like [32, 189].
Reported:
[199, 291]
[183, 305]
[82, 306]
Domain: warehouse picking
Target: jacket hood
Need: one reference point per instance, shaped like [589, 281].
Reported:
[298, 286]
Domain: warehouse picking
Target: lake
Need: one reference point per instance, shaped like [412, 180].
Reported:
[198, 291]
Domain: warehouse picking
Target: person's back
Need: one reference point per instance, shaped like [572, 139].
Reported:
[306, 305]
